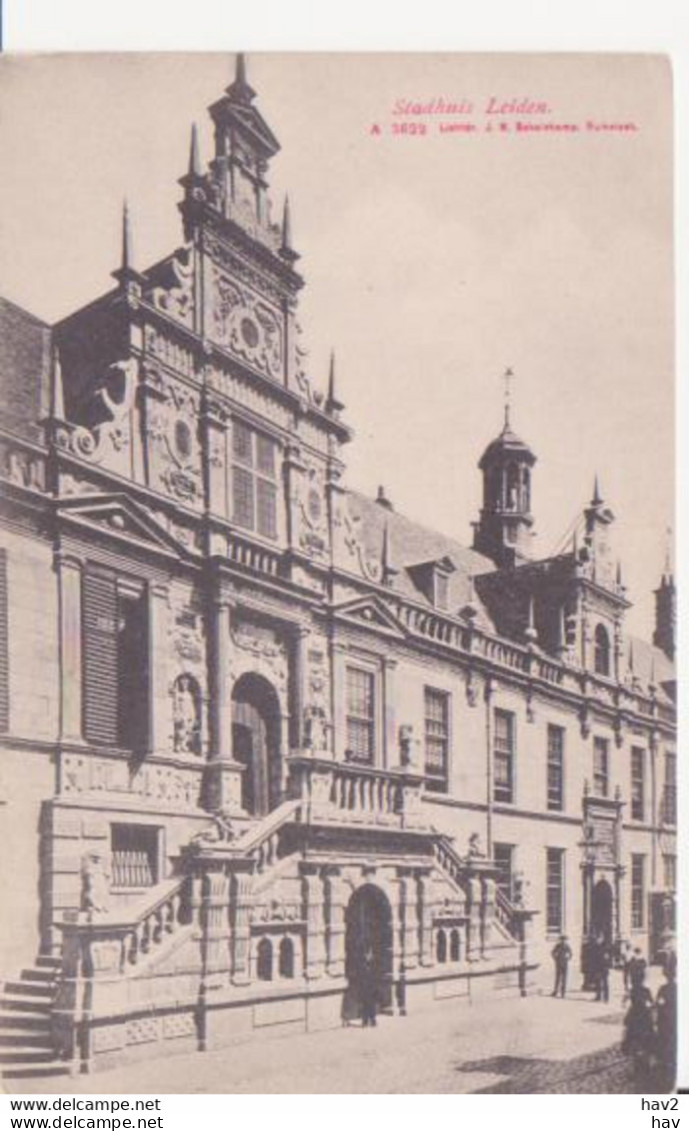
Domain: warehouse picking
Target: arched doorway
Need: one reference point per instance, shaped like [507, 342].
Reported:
[256, 742]
[368, 938]
[601, 911]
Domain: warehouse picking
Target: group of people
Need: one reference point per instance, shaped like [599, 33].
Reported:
[650, 1026]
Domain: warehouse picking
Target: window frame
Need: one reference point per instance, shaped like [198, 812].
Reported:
[637, 792]
[259, 477]
[601, 745]
[555, 856]
[437, 781]
[351, 716]
[602, 650]
[504, 795]
[505, 878]
[637, 892]
[669, 814]
[555, 804]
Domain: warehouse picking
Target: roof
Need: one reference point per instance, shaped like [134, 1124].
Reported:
[650, 665]
[411, 545]
[507, 443]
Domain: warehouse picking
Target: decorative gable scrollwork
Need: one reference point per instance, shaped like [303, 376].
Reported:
[246, 325]
[115, 396]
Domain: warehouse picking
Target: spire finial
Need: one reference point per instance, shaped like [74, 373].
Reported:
[333, 403]
[630, 661]
[385, 565]
[597, 497]
[286, 249]
[667, 567]
[618, 574]
[507, 377]
[194, 161]
[531, 633]
[126, 238]
[57, 395]
[239, 90]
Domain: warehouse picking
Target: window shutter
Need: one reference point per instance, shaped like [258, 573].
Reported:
[100, 658]
[4, 647]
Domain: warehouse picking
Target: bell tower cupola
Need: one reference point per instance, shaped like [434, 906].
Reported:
[503, 531]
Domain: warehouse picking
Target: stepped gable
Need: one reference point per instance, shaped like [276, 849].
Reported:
[411, 545]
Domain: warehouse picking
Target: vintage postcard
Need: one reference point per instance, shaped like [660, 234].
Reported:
[337, 595]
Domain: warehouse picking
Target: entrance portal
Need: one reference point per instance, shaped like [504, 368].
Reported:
[368, 942]
[601, 911]
[256, 742]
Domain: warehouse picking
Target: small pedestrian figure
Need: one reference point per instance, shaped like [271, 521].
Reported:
[561, 952]
[401, 991]
[603, 962]
[638, 1024]
[350, 1005]
[625, 959]
[637, 969]
[666, 1025]
[369, 991]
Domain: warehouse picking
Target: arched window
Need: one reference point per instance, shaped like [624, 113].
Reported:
[441, 947]
[601, 651]
[512, 487]
[286, 959]
[264, 961]
[454, 945]
[526, 490]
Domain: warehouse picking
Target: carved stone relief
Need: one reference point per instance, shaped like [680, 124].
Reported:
[246, 325]
[260, 649]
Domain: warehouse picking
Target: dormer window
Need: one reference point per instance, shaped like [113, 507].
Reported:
[433, 580]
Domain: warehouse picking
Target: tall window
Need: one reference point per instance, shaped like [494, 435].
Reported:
[600, 767]
[115, 661]
[670, 790]
[4, 647]
[254, 487]
[503, 760]
[638, 891]
[556, 767]
[670, 871]
[555, 890]
[601, 651]
[360, 715]
[638, 783]
[437, 739]
[503, 854]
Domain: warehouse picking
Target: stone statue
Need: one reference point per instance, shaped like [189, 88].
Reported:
[408, 746]
[95, 883]
[187, 724]
[475, 849]
[316, 729]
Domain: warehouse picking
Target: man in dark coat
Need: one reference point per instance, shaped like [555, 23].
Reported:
[369, 990]
[561, 952]
[603, 963]
[637, 968]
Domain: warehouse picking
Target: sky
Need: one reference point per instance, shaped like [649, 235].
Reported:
[432, 260]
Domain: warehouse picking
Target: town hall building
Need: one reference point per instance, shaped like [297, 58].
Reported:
[256, 726]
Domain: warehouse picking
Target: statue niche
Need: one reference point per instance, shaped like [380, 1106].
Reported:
[186, 711]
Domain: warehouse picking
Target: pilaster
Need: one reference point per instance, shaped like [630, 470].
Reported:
[69, 586]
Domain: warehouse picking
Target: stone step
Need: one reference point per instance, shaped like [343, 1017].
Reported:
[31, 989]
[27, 1056]
[55, 1068]
[29, 1039]
[24, 1005]
[33, 1022]
[49, 961]
[39, 974]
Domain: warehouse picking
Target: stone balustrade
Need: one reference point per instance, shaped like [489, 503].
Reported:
[344, 792]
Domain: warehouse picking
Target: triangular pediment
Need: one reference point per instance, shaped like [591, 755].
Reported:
[118, 517]
[372, 614]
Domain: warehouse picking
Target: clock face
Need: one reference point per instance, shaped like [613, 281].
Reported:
[249, 331]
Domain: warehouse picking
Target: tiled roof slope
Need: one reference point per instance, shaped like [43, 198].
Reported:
[411, 544]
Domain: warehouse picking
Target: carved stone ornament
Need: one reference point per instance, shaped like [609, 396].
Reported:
[186, 713]
[247, 326]
[95, 883]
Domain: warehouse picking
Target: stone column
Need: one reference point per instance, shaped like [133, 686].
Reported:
[216, 471]
[312, 887]
[299, 685]
[474, 938]
[409, 914]
[159, 728]
[339, 705]
[215, 927]
[224, 775]
[390, 757]
[488, 909]
[336, 899]
[242, 899]
[69, 586]
[425, 917]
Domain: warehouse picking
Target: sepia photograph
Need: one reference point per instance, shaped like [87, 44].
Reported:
[337, 584]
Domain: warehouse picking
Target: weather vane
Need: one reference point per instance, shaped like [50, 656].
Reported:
[507, 377]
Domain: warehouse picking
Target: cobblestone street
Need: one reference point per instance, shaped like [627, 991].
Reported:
[538, 1044]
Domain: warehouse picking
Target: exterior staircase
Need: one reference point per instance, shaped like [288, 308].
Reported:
[26, 1043]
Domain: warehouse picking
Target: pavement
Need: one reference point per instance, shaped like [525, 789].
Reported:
[533, 1044]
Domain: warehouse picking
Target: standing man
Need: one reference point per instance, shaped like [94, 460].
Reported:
[562, 952]
[369, 991]
[603, 970]
[637, 969]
